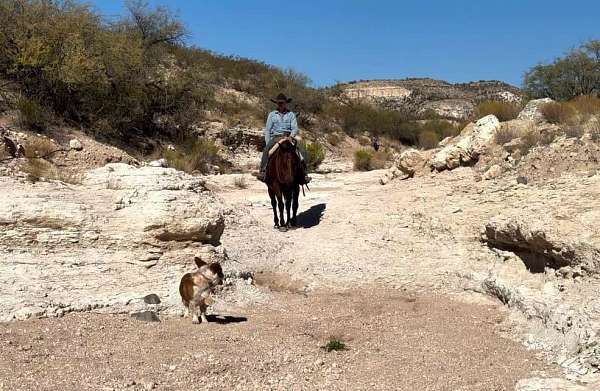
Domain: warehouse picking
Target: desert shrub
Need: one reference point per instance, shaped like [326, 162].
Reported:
[334, 139]
[380, 159]
[504, 111]
[194, 156]
[315, 154]
[574, 130]
[363, 159]
[38, 169]
[31, 115]
[529, 140]
[586, 105]
[595, 130]
[577, 73]
[428, 139]
[39, 147]
[131, 75]
[558, 112]
[506, 134]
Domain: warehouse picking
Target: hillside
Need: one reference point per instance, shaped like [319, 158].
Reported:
[423, 96]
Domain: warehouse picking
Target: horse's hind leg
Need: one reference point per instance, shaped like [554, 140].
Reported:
[295, 195]
[274, 206]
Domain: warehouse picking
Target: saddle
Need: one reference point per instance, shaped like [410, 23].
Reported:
[276, 146]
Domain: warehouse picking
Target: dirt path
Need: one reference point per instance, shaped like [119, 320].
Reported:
[395, 342]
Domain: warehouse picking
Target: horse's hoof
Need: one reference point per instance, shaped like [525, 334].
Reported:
[283, 229]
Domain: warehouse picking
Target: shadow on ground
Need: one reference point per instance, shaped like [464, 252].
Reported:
[225, 319]
[312, 216]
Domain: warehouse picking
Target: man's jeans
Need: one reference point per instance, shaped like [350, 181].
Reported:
[265, 156]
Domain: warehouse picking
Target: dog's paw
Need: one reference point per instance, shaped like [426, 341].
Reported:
[195, 320]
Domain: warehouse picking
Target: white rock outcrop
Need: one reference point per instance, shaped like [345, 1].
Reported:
[466, 148]
[532, 111]
[405, 164]
[124, 233]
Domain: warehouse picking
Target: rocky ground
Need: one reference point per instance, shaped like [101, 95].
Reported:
[474, 268]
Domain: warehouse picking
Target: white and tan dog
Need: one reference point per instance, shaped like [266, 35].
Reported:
[195, 288]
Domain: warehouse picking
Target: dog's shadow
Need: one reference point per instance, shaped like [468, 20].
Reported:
[225, 319]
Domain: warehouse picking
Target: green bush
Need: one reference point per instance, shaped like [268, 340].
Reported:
[577, 73]
[194, 156]
[315, 154]
[363, 159]
[133, 75]
[504, 111]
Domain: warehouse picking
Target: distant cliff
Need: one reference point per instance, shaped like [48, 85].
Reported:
[455, 101]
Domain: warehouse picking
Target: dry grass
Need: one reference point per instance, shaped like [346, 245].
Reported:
[38, 169]
[506, 134]
[366, 160]
[428, 139]
[39, 147]
[334, 139]
[559, 112]
[594, 129]
[586, 105]
[198, 156]
[504, 111]
[574, 130]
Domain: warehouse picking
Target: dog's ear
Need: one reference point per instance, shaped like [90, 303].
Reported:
[199, 262]
[216, 268]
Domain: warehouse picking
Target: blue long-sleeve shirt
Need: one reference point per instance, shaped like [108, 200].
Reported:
[280, 123]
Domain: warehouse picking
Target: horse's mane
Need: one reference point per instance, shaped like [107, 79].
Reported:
[283, 165]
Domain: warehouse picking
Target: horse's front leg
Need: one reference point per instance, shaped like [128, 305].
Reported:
[288, 206]
[281, 209]
[295, 195]
[274, 206]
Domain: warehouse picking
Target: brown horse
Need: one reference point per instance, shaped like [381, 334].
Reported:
[283, 180]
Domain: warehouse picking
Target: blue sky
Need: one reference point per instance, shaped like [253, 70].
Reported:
[342, 40]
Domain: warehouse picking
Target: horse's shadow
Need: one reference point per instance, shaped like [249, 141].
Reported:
[311, 217]
[225, 319]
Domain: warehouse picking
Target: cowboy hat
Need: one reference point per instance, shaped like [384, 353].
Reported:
[281, 98]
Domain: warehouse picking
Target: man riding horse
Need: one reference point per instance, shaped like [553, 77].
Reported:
[281, 122]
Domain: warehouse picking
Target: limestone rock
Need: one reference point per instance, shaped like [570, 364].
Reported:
[105, 244]
[466, 148]
[493, 172]
[159, 163]
[75, 144]
[544, 242]
[407, 163]
[532, 110]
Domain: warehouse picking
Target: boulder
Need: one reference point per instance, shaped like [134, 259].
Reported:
[407, 164]
[105, 245]
[532, 110]
[493, 172]
[75, 144]
[466, 148]
[159, 163]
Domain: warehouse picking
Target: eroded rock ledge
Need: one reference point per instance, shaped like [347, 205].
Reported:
[122, 234]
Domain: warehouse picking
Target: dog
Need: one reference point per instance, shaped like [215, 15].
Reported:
[195, 288]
